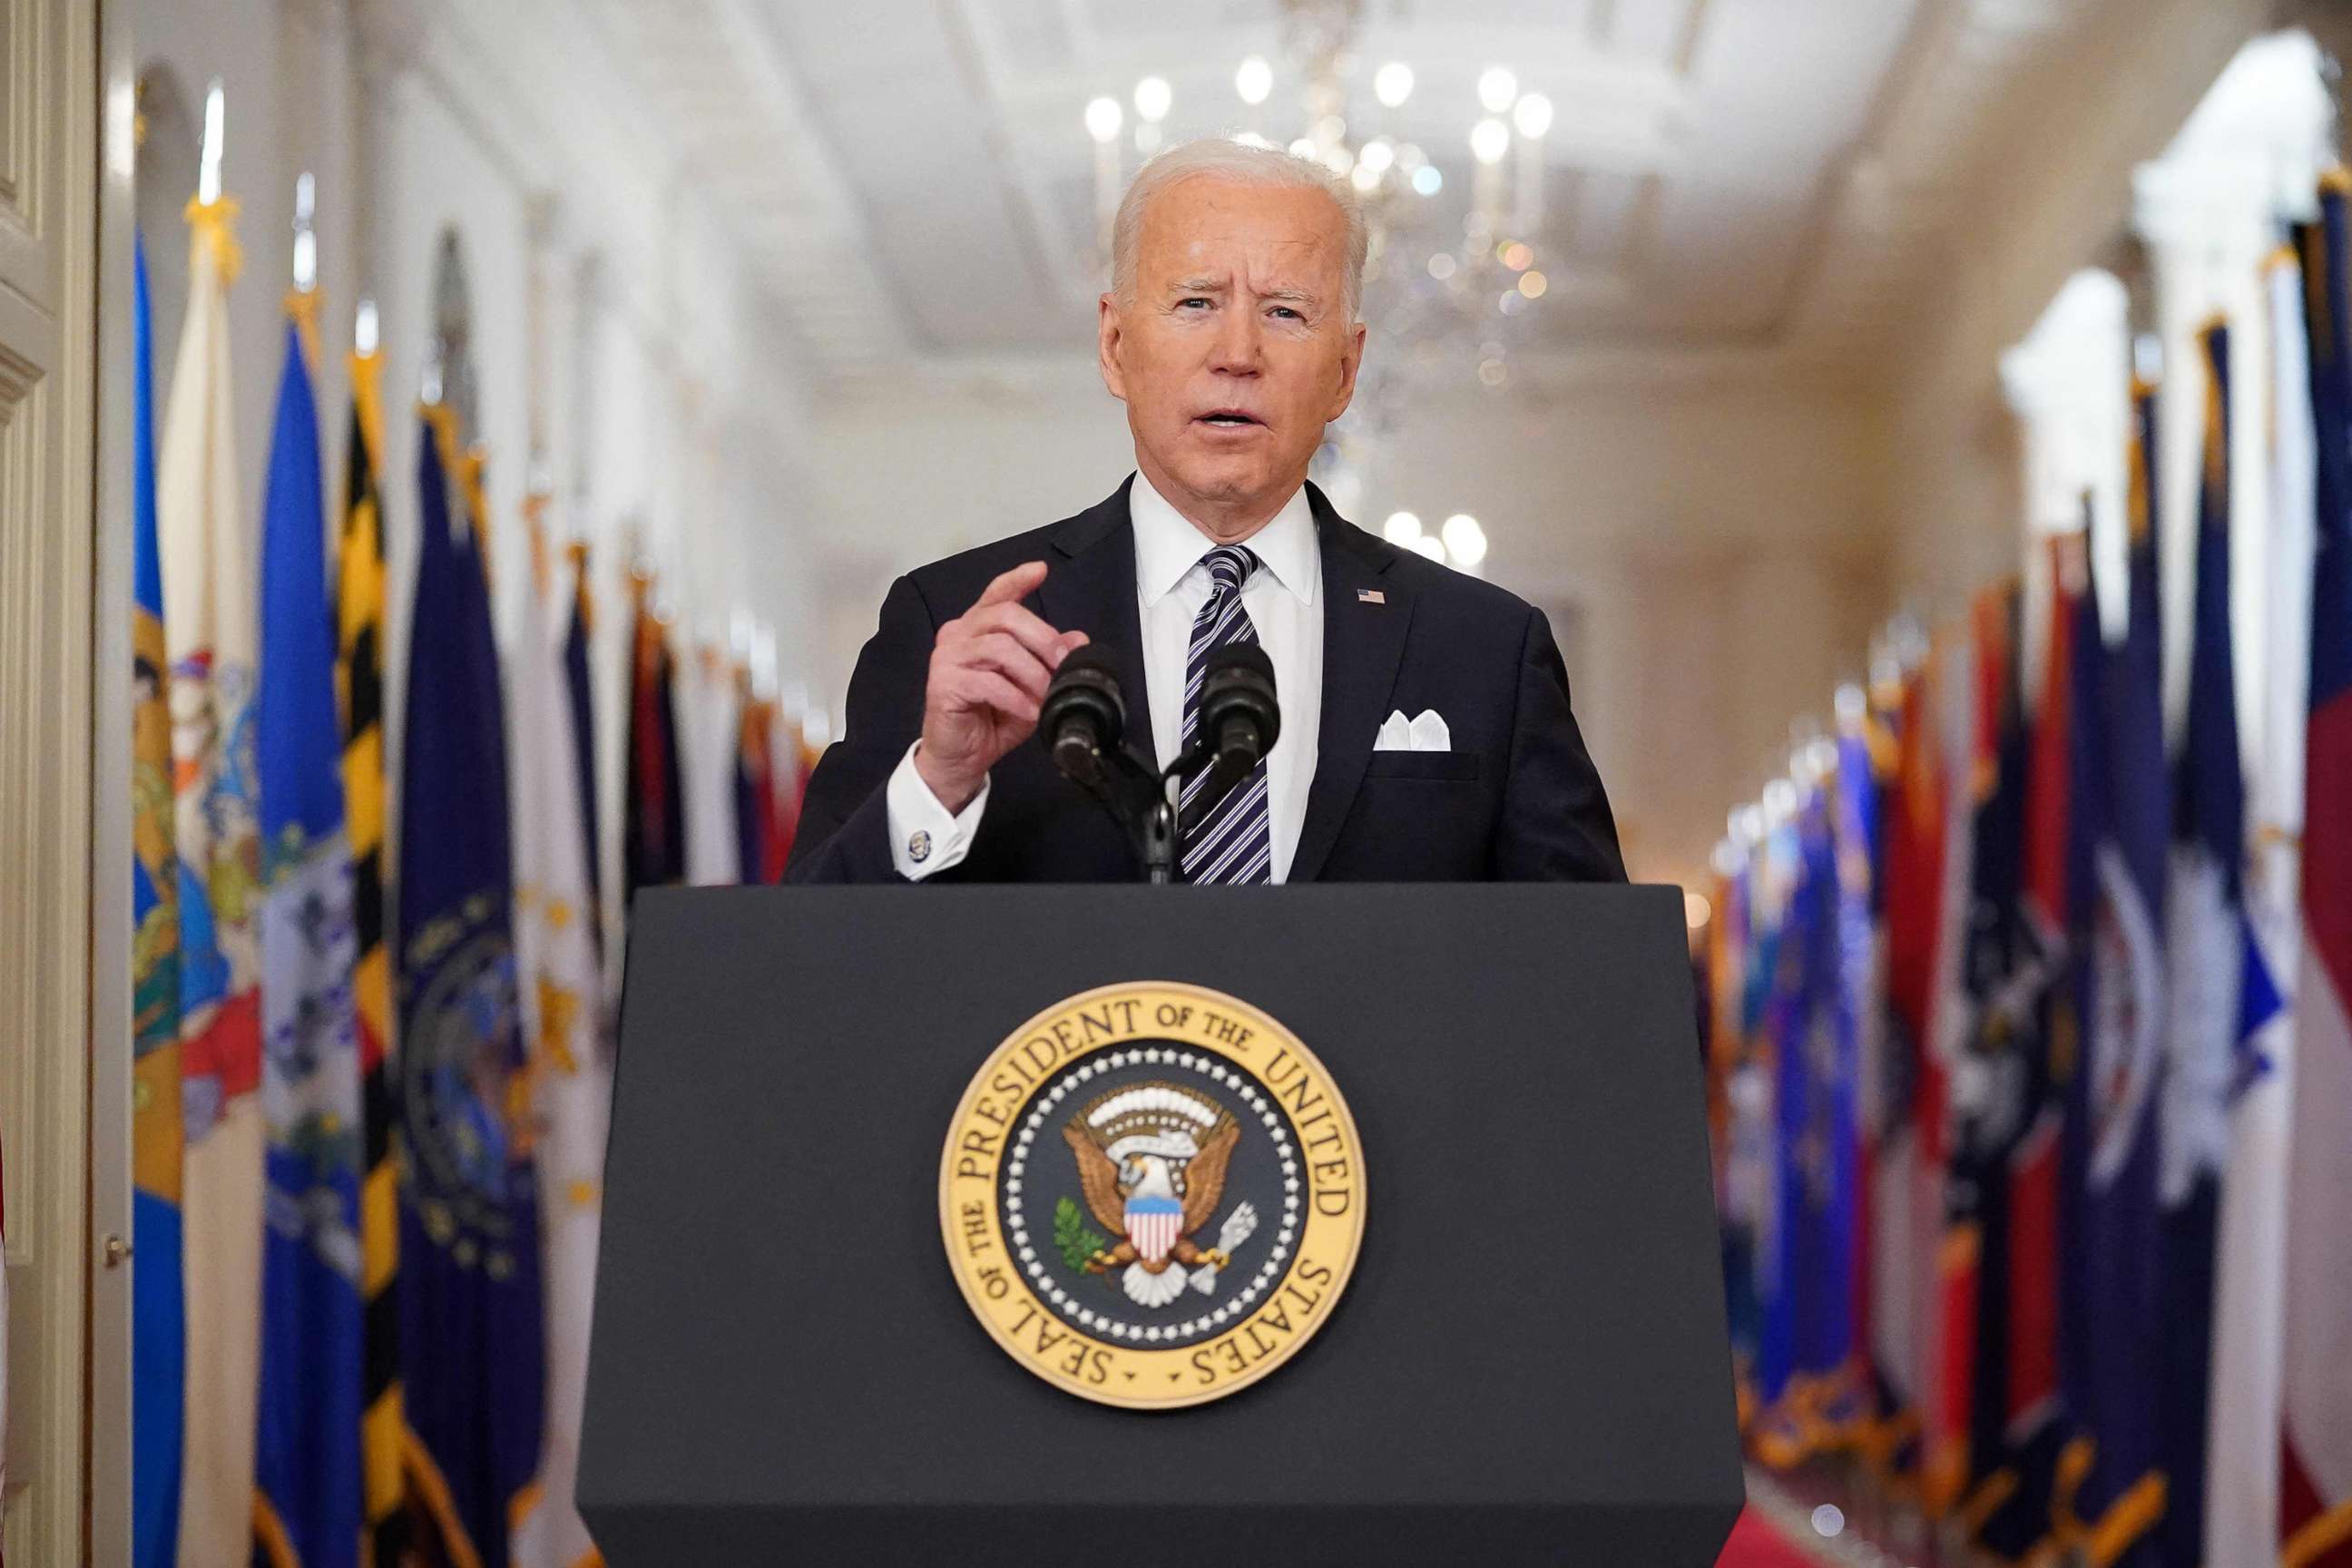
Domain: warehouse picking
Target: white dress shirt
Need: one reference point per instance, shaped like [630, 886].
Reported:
[1171, 586]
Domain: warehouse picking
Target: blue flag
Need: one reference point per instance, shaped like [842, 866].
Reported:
[307, 1434]
[2111, 1483]
[471, 1338]
[158, 1307]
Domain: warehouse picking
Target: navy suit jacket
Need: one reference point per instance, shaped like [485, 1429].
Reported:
[1517, 799]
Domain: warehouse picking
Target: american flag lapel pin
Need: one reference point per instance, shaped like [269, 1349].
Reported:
[1372, 596]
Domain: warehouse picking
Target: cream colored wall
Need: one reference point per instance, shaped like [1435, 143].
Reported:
[1710, 544]
[2054, 195]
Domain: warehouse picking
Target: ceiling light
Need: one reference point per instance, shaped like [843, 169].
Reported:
[1104, 118]
[1401, 528]
[1533, 284]
[1496, 88]
[1303, 148]
[1152, 97]
[1393, 83]
[1427, 544]
[1489, 139]
[1253, 79]
[1440, 266]
[1365, 177]
[1427, 181]
[1532, 115]
[1377, 157]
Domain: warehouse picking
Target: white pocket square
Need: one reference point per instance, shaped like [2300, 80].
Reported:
[1426, 733]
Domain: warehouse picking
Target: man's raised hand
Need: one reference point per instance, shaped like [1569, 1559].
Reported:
[989, 668]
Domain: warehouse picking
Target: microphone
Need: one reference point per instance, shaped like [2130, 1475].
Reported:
[1239, 721]
[1083, 717]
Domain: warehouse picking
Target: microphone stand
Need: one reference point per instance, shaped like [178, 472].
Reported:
[1144, 801]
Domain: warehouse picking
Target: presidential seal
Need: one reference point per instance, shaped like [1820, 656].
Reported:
[1152, 1194]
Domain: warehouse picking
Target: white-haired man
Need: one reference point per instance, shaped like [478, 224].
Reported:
[1426, 732]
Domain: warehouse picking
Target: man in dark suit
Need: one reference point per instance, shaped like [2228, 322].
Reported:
[1426, 729]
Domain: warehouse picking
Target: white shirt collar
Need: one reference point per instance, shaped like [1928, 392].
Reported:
[1167, 545]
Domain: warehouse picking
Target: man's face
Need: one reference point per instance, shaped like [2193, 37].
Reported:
[1236, 348]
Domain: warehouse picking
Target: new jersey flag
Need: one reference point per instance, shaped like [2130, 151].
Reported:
[306, 1509]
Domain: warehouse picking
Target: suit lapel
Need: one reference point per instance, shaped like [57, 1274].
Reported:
[1090, 588]
[1363, 641]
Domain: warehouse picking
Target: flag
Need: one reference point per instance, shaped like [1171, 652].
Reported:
[359, 673]
[306, 1508]
[710, 747]
[758, 817]
[2208, 938]
[2001, 978]
[788, 769]
[2241, 1458]
[471, 1337]
[159, 1327]
[654, 828]
[2111, 1482]
[1969, 685]
[1773, 916]
[1747, 1131]
[579, 632]
[2315, 1459]
[1904, 1191]
[562, 998]
[209, 633]
[2040, 1002]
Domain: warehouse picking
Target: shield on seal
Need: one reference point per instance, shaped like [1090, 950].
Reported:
[1153, 1223]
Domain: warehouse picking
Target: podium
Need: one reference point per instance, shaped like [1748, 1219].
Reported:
[1528, 1364]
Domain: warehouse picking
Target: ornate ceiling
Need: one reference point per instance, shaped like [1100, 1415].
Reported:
[1729, 183]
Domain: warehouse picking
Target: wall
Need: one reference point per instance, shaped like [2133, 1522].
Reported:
[616, 329]
[1711, 545]
[2051, 194]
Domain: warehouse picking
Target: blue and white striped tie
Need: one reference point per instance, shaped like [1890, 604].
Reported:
[1235, 842]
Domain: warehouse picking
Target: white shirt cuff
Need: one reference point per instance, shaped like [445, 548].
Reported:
[925, 838]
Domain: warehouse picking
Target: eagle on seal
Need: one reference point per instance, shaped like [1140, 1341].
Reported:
[1151, 1162]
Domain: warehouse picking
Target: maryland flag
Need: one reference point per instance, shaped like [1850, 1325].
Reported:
[159, 1325]
[359, 683]
[306, 1509]
[209, 633]
[471, 1339]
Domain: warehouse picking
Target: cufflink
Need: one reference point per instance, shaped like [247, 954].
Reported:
[918, 846]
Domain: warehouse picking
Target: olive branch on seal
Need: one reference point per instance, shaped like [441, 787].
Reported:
[1071, 1238]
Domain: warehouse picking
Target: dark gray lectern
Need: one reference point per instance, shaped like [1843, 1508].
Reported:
[1529, 1362]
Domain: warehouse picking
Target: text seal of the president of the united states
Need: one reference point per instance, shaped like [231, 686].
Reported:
[1152, 1194]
